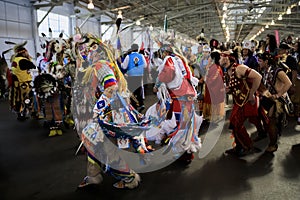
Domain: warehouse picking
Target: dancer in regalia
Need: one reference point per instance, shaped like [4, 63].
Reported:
[21, 96]
[180, 83]
[276, 83]
[243, 83]
[103, 156]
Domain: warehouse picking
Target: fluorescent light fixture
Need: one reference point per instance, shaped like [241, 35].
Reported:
[90, 5]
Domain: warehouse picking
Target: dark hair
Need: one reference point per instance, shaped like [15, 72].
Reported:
[155, 54]
[213, 43]
[249, 53]
[234, 56]
[266, 56]
[272, 42]
[134, 47]
[216, 57]
[298, 50]
[166, 47]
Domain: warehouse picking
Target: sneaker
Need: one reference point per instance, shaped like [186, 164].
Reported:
[59, 132]
[237, 152]
[84, 182]
[272, 148]
[52, 133]
[41, 115]
[88, 180]
[186, 158]
[129, 183]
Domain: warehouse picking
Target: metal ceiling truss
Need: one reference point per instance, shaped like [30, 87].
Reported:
[244, 17]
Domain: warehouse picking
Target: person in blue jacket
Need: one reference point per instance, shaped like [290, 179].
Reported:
[134, 64]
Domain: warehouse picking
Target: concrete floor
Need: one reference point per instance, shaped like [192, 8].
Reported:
[34, 166]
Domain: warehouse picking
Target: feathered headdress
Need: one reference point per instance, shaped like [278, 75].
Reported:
[18, 47]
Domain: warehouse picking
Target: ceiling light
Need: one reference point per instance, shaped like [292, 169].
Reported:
[202, 33]
[151, 28]
[90, 5]
[224, 7]
[272, 23]
[280, 17]
[223, 21]
[138, 22]
[267, 26]
[119, 15]
[288, 11]
[299, 3]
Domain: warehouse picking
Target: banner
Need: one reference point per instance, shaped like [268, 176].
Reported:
[277, 37]
[166, 24]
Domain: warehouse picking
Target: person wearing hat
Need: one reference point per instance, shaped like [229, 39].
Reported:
[242, 83]
[248, 58]
[204, 60]
[22, 80]
[254, 45]
[134, 65]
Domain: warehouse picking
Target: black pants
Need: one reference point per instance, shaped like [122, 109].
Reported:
[135, 85]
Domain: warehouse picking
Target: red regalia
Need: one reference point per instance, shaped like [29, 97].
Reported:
[242, 109]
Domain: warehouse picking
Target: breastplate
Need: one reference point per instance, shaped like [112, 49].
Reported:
[239, 89]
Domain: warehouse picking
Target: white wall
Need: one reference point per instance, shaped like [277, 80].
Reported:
[16, 25]
[18, 22]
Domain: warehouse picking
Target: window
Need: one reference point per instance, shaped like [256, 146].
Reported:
[108, 31]
[56, 22]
